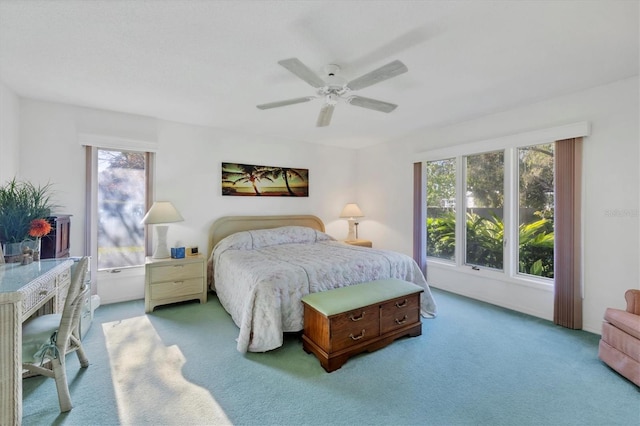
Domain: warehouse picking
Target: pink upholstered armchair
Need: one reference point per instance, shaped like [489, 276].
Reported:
[620, 342]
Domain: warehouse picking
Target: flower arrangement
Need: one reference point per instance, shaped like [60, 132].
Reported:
[39, 228]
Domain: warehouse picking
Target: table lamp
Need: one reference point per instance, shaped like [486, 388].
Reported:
[351, 211]
[161, 212]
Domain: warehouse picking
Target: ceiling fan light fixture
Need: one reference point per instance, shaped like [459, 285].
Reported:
[331, 99]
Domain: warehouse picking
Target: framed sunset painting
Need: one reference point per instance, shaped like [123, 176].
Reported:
[272, 181]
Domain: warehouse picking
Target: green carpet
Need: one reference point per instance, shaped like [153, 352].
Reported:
[475, 364]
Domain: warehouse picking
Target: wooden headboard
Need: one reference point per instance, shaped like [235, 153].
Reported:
[228, 225]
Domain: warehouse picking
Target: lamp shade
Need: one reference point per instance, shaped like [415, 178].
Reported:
[162, 212]
[351, 210]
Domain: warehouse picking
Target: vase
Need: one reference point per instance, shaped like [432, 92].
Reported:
[13, 251]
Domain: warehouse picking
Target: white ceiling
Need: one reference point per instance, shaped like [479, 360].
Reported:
[211, 62]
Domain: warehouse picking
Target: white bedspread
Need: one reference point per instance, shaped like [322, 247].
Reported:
[261, 276]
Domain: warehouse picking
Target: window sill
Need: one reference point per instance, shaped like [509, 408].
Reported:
[132, 271]
[540, 284]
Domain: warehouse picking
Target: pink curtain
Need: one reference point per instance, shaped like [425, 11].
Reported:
[419, 244]
[567, 251]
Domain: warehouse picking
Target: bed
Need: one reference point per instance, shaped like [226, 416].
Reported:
[261, 266]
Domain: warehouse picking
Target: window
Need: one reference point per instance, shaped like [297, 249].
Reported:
[535, 210]
[441, 208]
[122, 186]
[515, 182]
[484, 205]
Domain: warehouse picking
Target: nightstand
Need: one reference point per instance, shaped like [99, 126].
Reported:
[174, 280]
[361, 243]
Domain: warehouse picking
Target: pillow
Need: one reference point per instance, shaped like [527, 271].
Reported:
[286, 235]
[249, 240]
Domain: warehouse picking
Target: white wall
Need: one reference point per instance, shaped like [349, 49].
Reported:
[9, 133]
[188, 173]
[611, 187]
[378, 178]
[189, 169]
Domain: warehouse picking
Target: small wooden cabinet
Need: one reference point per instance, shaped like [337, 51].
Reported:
[56, 244]
[174, 280]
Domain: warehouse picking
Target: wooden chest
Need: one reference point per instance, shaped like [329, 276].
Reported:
[343, 322]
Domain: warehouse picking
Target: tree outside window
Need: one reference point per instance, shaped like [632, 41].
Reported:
[441, 208]
[485, 210]
[535, 212]
[121, 207]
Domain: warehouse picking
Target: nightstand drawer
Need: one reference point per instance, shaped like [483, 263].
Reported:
[174, 289]
[176, 272]
[174, 280]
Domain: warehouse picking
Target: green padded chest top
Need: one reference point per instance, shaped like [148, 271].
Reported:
[343, 299]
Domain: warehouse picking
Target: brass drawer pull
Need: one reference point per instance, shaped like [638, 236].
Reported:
[43, 292]
[352, 318]
[402, 321]
[357, 337]
[178, 266]
[178, 282]
[403, 304]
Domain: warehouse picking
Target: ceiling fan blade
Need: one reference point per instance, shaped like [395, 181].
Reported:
[285, 102]
[325, 115]
[302, 71]
[385, 72]
[371, 104]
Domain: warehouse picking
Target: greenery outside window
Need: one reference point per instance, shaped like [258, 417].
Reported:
[507, 212]
[441, 208]
[484, 206]
[536, 210]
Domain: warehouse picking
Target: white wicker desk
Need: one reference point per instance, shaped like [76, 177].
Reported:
[23, 290]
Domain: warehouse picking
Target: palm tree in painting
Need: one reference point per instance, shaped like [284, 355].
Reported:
[245, 173]
[286, 174]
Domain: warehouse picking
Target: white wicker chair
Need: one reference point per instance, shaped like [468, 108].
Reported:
[51, 337]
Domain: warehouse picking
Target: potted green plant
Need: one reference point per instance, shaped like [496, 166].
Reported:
[20, 203]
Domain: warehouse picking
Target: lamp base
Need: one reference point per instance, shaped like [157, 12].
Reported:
[161, 251]
[351, 236]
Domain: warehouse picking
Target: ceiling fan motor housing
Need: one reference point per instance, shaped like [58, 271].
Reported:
[333, 83]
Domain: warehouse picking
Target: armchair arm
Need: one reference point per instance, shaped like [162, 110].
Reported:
[633, 301]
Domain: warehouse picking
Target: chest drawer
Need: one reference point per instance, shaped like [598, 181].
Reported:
[174, 289]
[175, 272]
[399, 312]
[354, 327]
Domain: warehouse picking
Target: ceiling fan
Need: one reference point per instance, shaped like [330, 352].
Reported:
[334, 88]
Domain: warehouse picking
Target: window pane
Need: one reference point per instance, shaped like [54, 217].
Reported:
[441, 208]
[535, 213]
[484, 208]
[121, 207]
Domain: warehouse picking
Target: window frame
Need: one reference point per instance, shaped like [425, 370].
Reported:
[91, 234]
[510, 145]
[426, 208]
